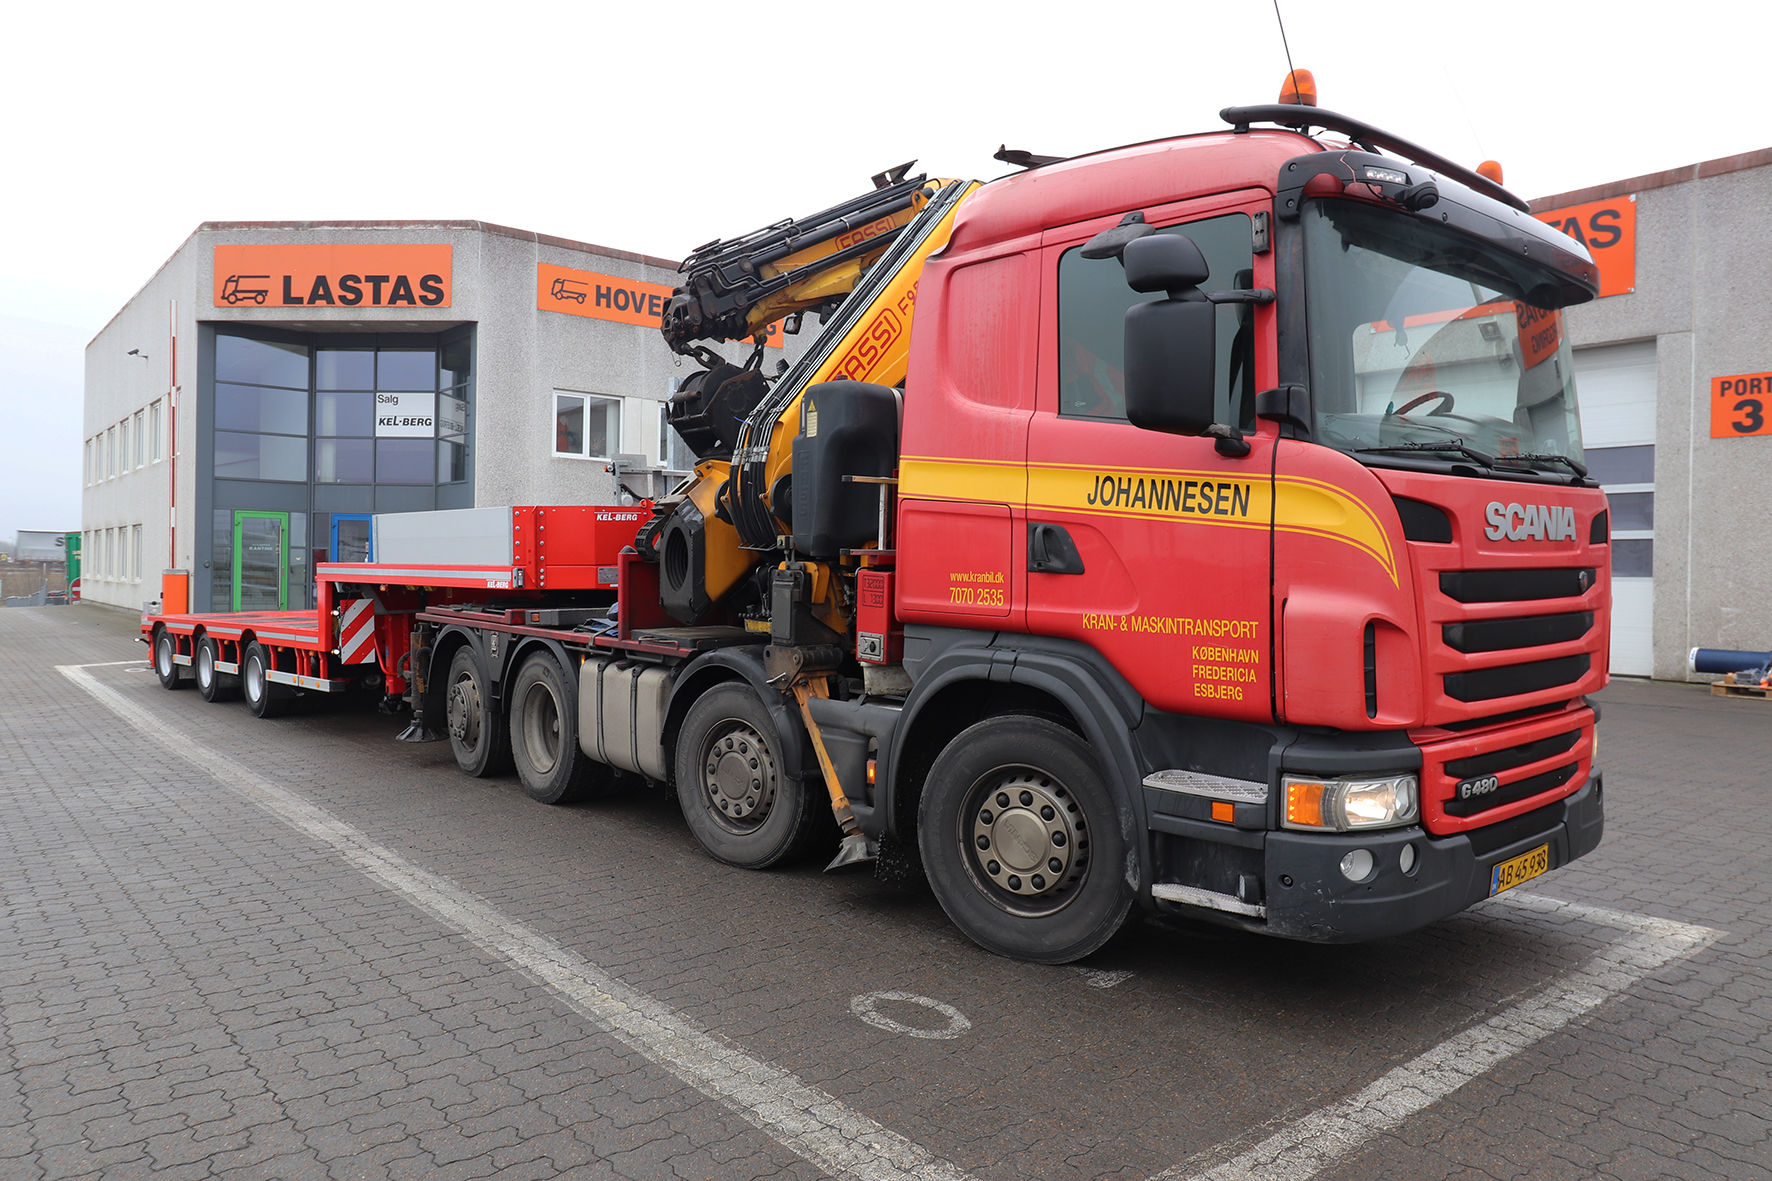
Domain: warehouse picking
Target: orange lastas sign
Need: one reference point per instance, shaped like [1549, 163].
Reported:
[1609, 231]
[608, 297]
[348, 276]
[1741, 405]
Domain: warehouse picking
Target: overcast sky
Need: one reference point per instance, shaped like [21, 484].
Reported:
[656, 126]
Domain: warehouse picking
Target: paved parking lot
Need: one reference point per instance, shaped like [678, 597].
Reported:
[297, 949]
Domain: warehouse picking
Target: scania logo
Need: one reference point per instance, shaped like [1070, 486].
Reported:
[1482, 785]
[1536, 521]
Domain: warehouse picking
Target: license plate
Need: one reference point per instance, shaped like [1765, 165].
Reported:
[1515, 870]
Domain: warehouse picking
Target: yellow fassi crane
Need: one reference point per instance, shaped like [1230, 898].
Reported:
[725, 540]
[719, 535]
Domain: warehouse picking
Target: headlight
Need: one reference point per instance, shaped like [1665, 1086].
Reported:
[1337, 805]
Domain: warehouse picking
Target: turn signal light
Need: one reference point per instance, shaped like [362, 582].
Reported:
[1299, 89]
[1304, 803]
[1490, 170]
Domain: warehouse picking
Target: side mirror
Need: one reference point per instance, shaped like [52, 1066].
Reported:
[1164, 262]
[1171, 360]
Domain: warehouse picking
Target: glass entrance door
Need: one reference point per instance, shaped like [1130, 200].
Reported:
[261, 561]
[351, 537]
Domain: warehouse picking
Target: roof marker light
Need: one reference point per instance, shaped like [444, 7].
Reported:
[1490, 170]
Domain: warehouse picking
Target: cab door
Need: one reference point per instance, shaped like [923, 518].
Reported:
[1153, 548]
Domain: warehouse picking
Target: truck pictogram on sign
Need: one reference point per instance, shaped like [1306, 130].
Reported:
[234, 293]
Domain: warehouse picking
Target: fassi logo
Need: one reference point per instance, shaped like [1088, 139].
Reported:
[1536, 522]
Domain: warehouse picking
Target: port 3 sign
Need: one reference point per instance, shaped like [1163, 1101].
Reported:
[1741, 405]
[1609, 231]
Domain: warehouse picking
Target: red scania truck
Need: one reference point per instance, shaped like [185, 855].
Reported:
[1215, 541]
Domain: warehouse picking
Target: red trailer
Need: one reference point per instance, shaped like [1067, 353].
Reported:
[361, 635]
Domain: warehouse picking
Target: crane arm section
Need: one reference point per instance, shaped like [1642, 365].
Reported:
[734, 289]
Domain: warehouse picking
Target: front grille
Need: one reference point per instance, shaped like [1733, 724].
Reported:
[1511, 680]
[1507, 586]
[1535, 631]
[1511, 792]
[1514, 756]
[1500, 719]
[1503, 833]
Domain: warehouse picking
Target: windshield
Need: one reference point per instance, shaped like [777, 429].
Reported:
[1420, 335]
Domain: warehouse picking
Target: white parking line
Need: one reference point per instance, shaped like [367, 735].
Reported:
[800, 1117]
[1310, 1144]
[846, 1143]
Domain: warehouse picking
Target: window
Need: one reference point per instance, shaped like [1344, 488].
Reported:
[135, 538]
[260, 457]
[110, 553]
[586, 426]
[110, 452]
[1628, 476]
[1092, 303]
[673, 452]
[155, 432]
[141, 438]
[261, 410]
[123, 446]
[86, 470]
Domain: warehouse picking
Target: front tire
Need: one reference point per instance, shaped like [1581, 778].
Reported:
[170, 672]
[477, 733]
[544, 736]
[1022, 843]
[264, 697]
[740, 804]
[212, 683]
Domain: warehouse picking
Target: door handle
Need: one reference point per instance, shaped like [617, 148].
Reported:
[1051, 550]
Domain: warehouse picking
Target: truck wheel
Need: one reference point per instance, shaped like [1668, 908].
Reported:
[1021, 841]
[213, 684]
[264, 698]
[740, 804]
[544, 736]
[170, 672]
[477, 734]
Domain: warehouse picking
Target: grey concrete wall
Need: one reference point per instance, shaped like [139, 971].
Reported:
[117, 385]
[1704, 246]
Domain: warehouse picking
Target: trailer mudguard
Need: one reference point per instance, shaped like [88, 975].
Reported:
[740, 664]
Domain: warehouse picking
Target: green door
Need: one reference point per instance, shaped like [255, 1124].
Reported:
[261, 561]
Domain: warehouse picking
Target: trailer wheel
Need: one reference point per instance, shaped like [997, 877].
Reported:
[169, 671]
[264, 698]
[477, 734]
[740, 804]
[212, 683]
[1021, 840]
[544, 736]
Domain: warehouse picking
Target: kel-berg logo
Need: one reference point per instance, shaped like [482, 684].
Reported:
[1535, 521]
[369, 276]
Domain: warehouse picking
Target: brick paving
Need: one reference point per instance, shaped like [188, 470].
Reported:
[188, 987]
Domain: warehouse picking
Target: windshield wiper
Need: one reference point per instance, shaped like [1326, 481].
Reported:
[1579, 469]
[1455, 445]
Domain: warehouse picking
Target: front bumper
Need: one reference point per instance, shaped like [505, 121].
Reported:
[1306, 896]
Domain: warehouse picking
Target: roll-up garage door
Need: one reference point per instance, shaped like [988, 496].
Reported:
[1616, 388]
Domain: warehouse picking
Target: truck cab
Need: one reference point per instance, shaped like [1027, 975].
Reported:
[1330, 663]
